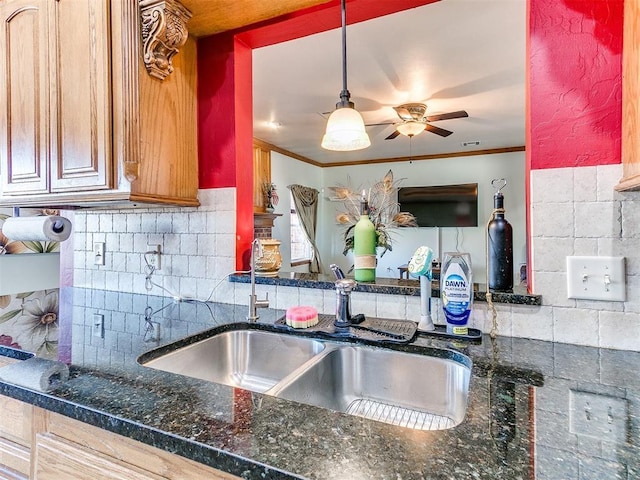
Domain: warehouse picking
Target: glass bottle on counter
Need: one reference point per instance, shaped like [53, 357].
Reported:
[499, 245]
[364, 245]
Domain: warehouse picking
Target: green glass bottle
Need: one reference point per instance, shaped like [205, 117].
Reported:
[364, 246]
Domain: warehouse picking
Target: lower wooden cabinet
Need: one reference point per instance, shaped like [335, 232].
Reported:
[16, 427]
[42, 445]
[56, 458]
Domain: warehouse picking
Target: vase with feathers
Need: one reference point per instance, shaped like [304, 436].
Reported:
[384, 210]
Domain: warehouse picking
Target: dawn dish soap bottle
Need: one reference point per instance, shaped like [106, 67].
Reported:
[456, 289]
[364, 245]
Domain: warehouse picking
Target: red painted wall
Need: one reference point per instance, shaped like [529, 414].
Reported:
[574, 102]
[575, 83]
[225, 128]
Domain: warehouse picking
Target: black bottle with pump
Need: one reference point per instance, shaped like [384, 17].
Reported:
[499, 245]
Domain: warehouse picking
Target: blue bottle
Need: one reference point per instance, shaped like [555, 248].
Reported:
[456, 290]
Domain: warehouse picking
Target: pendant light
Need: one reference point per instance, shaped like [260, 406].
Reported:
[345, 127]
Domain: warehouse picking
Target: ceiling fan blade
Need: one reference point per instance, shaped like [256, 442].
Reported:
[437, 130]
[378, 124]
[393, 135]
[447, 116]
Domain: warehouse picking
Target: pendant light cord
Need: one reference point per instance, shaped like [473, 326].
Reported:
[344, 46]
[344, 94]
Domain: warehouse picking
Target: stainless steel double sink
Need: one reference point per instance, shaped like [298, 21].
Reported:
[424, 392]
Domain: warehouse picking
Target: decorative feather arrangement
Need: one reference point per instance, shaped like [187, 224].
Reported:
[384, 210]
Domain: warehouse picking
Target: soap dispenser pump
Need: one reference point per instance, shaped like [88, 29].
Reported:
[420, 265]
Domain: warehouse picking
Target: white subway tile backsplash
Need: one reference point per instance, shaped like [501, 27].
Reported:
[574, 211]
[532, 322]
[584, 185]
[571, 325]
[586, 247]
[204, 248]
[93, 223]
[189, 244]
[597, 219]
[550, 253]
[197, 266]
[285, 297]
[197, 222]
[225, 222]
[552, 219]
[631, 219]
[164, 222]
[134, 222]
[553, 288]
[364, 303]
[315, 298]
[633, 294]
[148, 222]
[389, 306]
[180, 223]
[552, 185]
[126, 242]
[225, 245]
[620, 330]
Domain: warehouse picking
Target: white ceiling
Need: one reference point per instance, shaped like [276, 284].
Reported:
[452, 55]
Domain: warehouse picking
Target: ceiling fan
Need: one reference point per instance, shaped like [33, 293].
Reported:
[414, 120]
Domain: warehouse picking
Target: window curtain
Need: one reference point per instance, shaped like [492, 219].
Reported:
[305, 200]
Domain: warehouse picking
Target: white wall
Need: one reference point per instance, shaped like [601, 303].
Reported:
[287, 171]
[479, 169]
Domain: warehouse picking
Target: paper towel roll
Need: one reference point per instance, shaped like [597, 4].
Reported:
[50, 228]
[36, 373]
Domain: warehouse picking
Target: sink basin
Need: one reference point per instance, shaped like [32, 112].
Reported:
[251, 359]
[424, 392]
[414, 391]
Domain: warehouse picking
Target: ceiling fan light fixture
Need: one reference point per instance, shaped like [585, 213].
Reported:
[411, 128]
[345, 128]
[345, 131]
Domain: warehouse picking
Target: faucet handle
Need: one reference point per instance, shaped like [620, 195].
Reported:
[337, 271]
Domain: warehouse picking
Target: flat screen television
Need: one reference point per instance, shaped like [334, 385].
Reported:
[441, 205]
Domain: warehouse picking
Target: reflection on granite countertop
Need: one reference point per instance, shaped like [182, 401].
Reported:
[519, 422]
[388, 286]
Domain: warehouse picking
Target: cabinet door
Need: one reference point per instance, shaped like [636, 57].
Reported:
[81, 113]
[15, 438]
[24, 97]
[56, 458]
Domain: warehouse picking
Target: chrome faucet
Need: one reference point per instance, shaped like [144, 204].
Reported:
[254, 303]
[344, 287]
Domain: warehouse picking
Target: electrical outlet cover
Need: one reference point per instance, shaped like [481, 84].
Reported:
[98, 325]
[596, 278]
[600, 416]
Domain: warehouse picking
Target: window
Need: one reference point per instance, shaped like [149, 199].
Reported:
[300, 245]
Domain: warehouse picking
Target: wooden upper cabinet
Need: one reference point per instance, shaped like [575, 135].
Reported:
[83, 122]
[24, 97]
[261, 175]
[631, 98]
[81, 113]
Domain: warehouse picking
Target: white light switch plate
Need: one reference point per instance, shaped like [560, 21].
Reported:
[596, 278]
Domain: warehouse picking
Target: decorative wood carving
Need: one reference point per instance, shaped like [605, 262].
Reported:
[164, 31]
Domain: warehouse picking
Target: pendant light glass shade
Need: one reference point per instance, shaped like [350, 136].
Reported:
[345, 127]
[345, 131]
[411, 128]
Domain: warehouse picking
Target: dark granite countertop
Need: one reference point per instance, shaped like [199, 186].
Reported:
[388, 286]
[527, 414]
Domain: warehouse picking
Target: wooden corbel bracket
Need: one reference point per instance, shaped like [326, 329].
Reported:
[164, 31]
